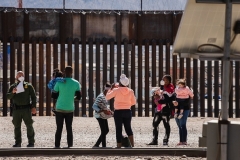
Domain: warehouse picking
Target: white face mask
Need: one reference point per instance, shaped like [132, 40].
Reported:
[21, 79]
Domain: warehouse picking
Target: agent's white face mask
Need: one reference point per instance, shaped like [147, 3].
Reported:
[21, 79]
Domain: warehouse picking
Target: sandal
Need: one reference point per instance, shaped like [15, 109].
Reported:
[184, 143]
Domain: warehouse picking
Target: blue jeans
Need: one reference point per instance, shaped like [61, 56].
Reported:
[123, 117]
[181, 123]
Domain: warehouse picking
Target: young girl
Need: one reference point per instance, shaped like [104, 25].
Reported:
[182, 96]
[102, 113]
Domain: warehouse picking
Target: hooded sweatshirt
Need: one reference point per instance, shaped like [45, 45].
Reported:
[123, 97]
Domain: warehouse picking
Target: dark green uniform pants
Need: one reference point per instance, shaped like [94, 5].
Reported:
[26, 116]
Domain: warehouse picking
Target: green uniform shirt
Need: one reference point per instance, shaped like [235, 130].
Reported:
[23, 98]
[65, 101]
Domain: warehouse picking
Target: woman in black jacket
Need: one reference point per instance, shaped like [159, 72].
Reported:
[165, 114]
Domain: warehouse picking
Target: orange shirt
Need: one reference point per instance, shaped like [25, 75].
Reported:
[123, 97]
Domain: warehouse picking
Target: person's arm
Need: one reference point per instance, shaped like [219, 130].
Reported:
[33, 96]
[111, 94]
[78, 94]
[190, 92]
[133, 99]
[55, 91]
[10, 93]
[96, 108]
[60, 79]
[50, 84]
[100, 102]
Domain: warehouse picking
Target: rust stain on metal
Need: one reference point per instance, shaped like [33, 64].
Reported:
[19, 3]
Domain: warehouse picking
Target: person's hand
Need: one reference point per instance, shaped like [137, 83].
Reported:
[34, 111]
[114, 85]
[175, 103]
[14, 90]
[107, 112]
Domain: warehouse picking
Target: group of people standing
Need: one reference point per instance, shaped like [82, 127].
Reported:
[65, 90]
[171, 101]
[23, 99]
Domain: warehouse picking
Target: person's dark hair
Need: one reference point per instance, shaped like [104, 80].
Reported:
[59, 74]
[107, 85]
[55, 71]
[168, 77]
[68, 70]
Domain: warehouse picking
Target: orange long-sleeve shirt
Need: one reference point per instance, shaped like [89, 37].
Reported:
[123, 97]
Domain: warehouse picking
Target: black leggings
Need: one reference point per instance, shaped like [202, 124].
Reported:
[103, 123]
[158, 117]
[123, 117]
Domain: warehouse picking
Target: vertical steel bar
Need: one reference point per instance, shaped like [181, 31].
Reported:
[111, 67]
[140, 85]
[125, 41]
[34, 62]
[146, 97]
[19, 54]
[237, 95]
[216, 88]
[195, 87]
[12, 63]
[48, 75]
[76, 71]
[153, 75]
[5, 63]
[181, 72]
[160, 68]
[83, 39]
[209, 88]
[90, 90]
[69, 42]
[188, 76]
[62, 23]
[105, 61]
[26, 46]
[168, 57]
[174, 69]
[202, 88]
[119, 40]
[98, 67]
[230, 110]
[41, 78]
[55, 53]
[133, 75]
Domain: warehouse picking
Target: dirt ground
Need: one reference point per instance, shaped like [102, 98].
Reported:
[86, 132]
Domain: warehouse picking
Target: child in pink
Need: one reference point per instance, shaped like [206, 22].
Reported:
[158, 95]
[182, 95]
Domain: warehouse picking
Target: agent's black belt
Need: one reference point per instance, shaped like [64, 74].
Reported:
[21, 106]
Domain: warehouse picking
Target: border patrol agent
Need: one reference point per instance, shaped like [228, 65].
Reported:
[23, 99]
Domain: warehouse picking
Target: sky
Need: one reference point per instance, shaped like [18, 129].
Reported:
[134, 5]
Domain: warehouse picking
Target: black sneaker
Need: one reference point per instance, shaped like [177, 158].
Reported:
[30, 145]
[165, 143]
[153, 143]
[17, 145]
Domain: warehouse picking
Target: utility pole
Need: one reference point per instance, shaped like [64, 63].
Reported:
[225, 85]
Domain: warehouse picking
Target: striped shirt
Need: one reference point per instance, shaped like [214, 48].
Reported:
[100, 103]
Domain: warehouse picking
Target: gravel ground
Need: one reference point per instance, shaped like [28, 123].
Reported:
[86, 132]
